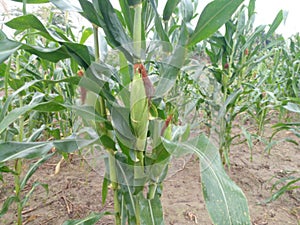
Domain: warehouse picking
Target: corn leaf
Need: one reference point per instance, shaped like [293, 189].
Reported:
[34, 168]
[7, 48]
[225, 201]
[67, 49]
[292, 107]
[128, 14]
[169, 9]
[170, 71]
[66, 5]
[92, 219]
[13, 116]
[121, 124]
[7, 203]
[22, 23]
[90, 13]
[160, 30]
[115, 32]
[132, 3]
[30, 150]
[214, 15]
[18, 150]
[251, 8]
[33, 1]
[52, 55]
[281, 16]
[150, 210]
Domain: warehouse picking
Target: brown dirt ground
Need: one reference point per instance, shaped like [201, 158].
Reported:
[76, 190]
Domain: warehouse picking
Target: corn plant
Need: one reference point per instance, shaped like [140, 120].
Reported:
[129, 105]
[34, 88]
[234, 58]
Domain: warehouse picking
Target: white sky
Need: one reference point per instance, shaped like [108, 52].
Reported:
[266, 12]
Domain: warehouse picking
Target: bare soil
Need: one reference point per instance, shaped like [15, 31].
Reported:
[76, 190]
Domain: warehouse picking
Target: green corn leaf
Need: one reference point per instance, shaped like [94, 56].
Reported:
[85, 112]
[115, 32]
[68, 49]
[80, 53]
[87, 32]
[29, 194]
[229, 101]
[7, 48]
[170, 72]
[281, 16]
[214, 15]
[14, 115]
[34, 168]
[104, 191]
[169, 9]
[133, 3]
[29, 150]
[120, 119]
[251, 8]
[128, 14]
[12, 96]
[18, 150]
[288, 187]
[33, 1]
[71, 144]
[52, 55]
[225, 201]
[92, 219]
[292, 107]
[36, 133]
[72, 80]
[29, 21]
[51, 106]
[90, 13]
[2, 35]
[151, 212]
[7, 203]
[66, 5]
[160, 30]
[187, 10]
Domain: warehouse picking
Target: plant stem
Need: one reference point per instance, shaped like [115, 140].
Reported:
[139, 153]
[152, 191]
[113, 178]
[24, 9]
[96, 43]
[18, 169]
[101, 108]
[137, 30]
[6, 78]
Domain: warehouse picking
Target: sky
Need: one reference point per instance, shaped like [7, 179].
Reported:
[266, 12]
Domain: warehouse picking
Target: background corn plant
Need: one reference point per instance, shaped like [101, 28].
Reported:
[238, 86]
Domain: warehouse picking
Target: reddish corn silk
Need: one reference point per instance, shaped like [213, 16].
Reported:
[226, 66]
[80, 73]
[166, 124]
[83, 91]
[138, 67]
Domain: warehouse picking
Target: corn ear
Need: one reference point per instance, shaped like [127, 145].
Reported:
[139, 111]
